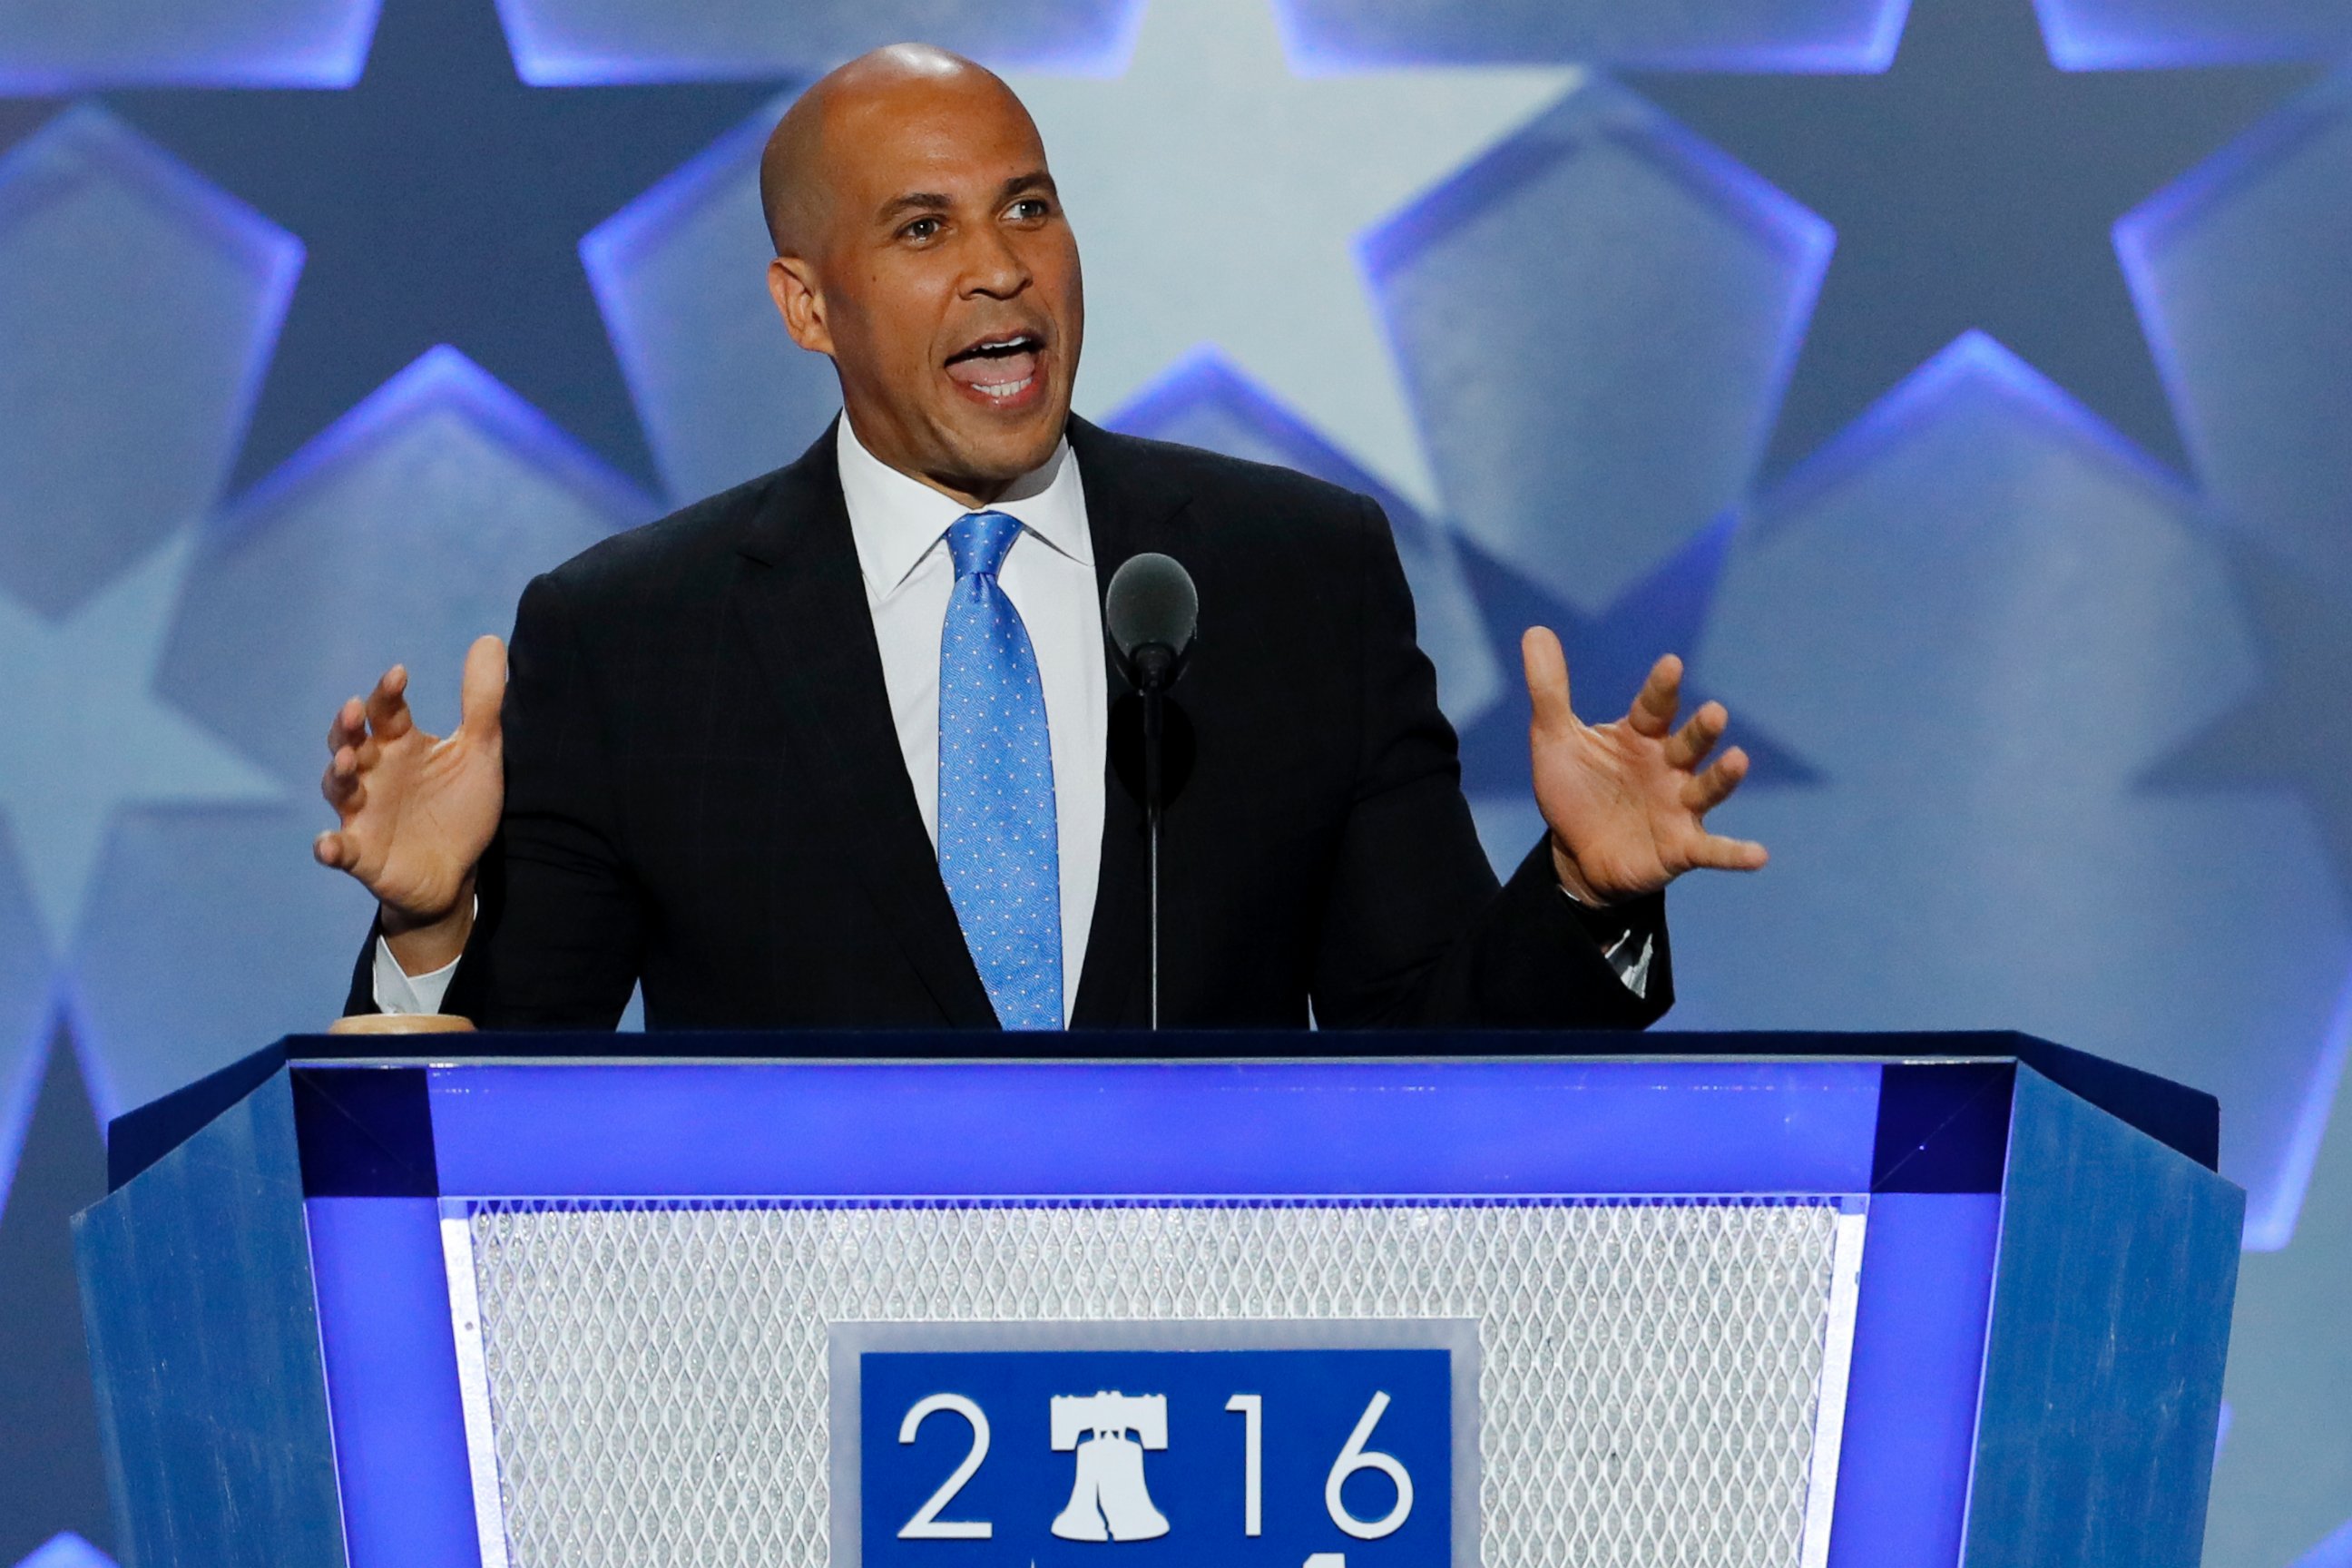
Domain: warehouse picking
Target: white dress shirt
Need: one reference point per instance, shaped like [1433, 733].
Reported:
[899, 525]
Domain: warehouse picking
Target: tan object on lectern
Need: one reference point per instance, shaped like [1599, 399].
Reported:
[401, 1023]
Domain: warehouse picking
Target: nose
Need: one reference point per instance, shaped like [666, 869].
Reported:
[995, 267]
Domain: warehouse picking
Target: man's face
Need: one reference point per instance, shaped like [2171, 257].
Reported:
[944, 283]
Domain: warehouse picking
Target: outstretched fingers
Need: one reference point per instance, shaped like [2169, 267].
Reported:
[1702, 794]
[334, 851]
[349, 727]
[387, 706]
[1689, 745]
[1547, 671]
[343, 783]
[1719, 854]
[1652, 714]
[1713, 787]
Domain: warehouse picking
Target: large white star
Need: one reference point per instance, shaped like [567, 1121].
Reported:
[81, 732]
[1218, 196]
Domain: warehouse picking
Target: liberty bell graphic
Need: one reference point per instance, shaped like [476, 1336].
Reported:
[1109, 1502]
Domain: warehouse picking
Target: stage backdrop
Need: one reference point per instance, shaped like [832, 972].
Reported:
[1966, 387]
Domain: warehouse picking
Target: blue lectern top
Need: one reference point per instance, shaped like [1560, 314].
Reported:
[1963, 1119]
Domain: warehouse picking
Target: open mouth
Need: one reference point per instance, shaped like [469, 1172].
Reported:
[999, 370]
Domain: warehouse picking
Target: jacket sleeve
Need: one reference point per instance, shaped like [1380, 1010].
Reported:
[559, 940]
[1417, 931]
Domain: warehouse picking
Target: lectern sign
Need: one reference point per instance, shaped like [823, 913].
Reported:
[1110, 1458]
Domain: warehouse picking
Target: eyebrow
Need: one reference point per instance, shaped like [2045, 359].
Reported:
[1035, 179]
[914, 201]
[932, 200]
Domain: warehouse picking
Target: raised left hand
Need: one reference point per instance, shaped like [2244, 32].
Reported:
[1627, 801]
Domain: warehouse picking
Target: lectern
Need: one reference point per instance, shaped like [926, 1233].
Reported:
[1305, 1301]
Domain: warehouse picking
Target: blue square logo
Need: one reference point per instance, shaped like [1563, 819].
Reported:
[1337, 1457]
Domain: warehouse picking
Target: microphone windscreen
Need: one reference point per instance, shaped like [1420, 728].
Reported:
[1151, 600]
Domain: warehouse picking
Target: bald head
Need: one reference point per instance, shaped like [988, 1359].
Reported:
[817, 141]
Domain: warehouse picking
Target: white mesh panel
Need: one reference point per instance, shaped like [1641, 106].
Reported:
[1649, 1370]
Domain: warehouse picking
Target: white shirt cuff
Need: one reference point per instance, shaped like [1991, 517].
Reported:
[1632, 964]
[399, 991]
[1632, 968]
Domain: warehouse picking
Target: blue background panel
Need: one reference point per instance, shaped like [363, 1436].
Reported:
[147, 372]
[586, 42]
[2222, 262]
[446, 494]
[2104, 35]
[24, 1010]
[1496, 287]
[212, 42]
[724, 394]
[1731, 35]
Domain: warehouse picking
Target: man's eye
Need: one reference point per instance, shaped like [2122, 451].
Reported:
[1030, 208]
[921, 229]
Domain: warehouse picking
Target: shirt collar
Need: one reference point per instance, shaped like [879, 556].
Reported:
[896, 519]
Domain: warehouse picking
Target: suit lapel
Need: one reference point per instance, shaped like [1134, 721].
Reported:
[803, 606]
[1133, 505]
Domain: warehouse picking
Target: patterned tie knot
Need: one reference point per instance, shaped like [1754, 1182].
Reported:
[978, 540]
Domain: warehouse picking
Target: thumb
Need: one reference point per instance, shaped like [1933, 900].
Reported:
[483, 691]
[1547, 671]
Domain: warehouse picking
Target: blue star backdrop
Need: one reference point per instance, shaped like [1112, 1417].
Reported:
[1962, 384]
[1973, 184]
[440, 199]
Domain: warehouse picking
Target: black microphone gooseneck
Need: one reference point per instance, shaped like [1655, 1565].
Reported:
[1150, 615]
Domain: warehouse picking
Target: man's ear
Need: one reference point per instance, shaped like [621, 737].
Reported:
[791, 284]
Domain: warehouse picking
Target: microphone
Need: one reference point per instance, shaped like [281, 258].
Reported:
[1150, 614]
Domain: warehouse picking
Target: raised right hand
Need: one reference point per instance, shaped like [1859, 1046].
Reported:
[417, 811]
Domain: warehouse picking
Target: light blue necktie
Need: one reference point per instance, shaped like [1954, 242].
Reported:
[998, 853]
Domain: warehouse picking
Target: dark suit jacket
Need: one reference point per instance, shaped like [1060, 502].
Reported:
[705, 790]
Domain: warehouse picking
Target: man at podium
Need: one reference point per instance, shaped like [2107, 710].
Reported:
[842, 746]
